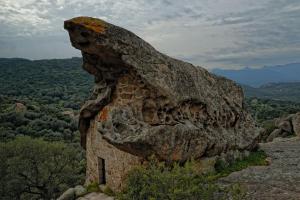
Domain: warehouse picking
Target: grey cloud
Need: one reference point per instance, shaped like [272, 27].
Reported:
[224, 33]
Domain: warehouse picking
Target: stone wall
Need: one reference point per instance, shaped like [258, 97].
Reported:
[117, 162]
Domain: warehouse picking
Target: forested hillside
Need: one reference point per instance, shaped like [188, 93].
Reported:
[275, 91]
[40, 99]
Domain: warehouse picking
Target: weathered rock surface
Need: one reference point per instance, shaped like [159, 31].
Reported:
[68, 195]
[79, 190]
[278, 181]
[149, 103]
[296, 123]
[276, 133]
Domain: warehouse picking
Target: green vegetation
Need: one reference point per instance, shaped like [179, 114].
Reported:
[267, 109]
[40, 155]
[52, 92]
[40, 99]
[159, 181]
[36, 169]
[276, 91]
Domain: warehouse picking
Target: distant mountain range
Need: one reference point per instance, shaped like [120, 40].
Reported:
[262, 76]
[281, 82]
[275, 91]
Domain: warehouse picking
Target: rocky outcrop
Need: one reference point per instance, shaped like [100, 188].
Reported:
[148, 103]
[96, 196]
[73, 193]
[278, 181]
[285, 126]
[296, 123]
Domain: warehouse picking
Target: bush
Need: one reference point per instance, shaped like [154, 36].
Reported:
[158, 181]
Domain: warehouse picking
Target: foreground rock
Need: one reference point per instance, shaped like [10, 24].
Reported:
[68, 195]
[278, 181]
[146, 103]
[73, 193]
[95, 196]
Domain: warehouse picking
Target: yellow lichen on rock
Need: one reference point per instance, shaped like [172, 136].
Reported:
[96, 25]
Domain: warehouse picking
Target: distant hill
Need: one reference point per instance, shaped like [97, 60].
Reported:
[275, 91]
[262, 76]
[59, 81]
[64, 82]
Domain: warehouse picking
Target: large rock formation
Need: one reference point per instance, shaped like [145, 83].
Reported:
[148, 103]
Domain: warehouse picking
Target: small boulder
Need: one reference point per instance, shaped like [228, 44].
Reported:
[286, 126]
[296, 123]
[268, 160]
[20, 107]
[79, 190]
[68, 195]
[274, 134]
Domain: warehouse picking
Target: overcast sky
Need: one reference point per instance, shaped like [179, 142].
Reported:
[209, 33]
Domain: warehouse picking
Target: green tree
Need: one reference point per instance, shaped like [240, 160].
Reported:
[36, 169]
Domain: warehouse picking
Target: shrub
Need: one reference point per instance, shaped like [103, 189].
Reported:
[159, 181]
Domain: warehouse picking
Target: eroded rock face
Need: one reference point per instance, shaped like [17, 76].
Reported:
[148, 103]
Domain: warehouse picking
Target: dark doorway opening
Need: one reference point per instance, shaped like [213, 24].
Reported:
[101, 168]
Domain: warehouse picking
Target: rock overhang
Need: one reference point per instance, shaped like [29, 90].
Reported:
[109, 52]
